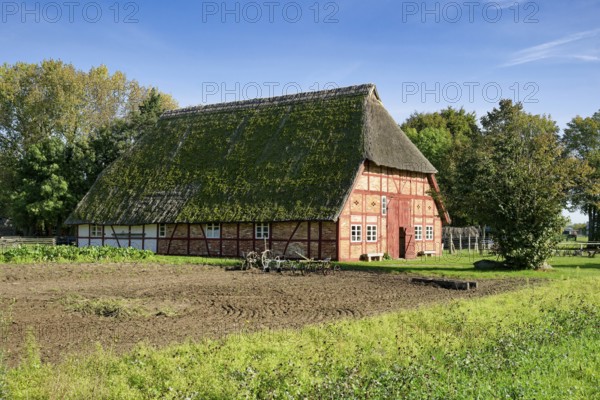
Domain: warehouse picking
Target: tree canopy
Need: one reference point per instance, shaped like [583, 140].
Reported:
[59, 127]
[517, 180]
[582, 140]
[513, 173]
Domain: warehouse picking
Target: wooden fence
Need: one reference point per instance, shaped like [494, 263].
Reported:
[13, 241]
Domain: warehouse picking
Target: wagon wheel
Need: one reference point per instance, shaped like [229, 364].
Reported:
[266, 258]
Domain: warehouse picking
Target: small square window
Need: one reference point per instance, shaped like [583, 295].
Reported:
[429, 232]
[213, 231]
[371, 233]
[262, 231]
[384, 205]
[95, 230]
[162, 231]
[418, 232]
[356, 233]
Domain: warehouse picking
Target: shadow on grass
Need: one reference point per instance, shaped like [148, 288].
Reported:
[563, 267]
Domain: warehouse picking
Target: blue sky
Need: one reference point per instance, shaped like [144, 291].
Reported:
[423, 56]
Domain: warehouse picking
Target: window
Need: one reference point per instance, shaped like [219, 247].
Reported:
[371, 233]
[95, 231]
[429, 232]
[262, 231]
[418, 232]
[383, 205]
[356, 233]
[213, 231]
[162, 230]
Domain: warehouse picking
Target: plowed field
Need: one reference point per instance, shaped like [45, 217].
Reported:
[71, 308]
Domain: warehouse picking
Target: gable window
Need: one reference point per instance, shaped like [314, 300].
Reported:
[429, 233]
[162, 230]
[371, 233]
[418, 232]
[384, 205]
[262, 231]
[213, 231]
[356, 233]
[95, 230]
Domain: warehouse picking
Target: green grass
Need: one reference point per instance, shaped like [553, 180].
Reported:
[461, 266]
[539, 342]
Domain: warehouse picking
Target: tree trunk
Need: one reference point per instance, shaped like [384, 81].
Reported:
[593, 224]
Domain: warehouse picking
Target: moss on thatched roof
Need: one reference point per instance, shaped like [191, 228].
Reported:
[279, 159]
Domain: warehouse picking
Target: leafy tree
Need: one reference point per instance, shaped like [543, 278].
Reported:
[582, 140]
[59, 127]
[38, 202]
[517, 178]
[434, 143]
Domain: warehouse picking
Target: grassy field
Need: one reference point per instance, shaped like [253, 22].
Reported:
[539, 342]
[462, 267]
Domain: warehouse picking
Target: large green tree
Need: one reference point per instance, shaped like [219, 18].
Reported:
[517, 180]
[582, 140]
[59, 127]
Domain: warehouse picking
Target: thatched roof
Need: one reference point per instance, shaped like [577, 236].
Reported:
[278, 159]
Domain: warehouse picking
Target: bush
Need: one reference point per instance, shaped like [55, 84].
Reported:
[42, 253]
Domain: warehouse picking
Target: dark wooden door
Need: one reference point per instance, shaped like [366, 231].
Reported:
[402, 243]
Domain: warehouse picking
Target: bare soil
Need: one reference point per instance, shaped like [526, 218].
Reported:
[170, 304]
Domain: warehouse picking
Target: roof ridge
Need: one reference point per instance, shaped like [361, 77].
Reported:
[365, 88]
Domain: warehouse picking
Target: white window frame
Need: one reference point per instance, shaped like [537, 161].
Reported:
[162, 230]
[356, 233]
[371, 233]
[384, 205]
[95, 230]
[213, 231]
[418, 232]
[429, 232]
[262, 231]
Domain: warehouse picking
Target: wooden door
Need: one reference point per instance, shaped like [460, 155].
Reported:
[400, 233]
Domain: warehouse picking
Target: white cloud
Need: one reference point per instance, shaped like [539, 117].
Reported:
[579, 46]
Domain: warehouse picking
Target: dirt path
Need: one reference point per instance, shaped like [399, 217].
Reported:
[168, 304]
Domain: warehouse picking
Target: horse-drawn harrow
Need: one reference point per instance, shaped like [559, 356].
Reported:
[267, 261]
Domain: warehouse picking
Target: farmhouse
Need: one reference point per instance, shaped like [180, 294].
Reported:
[326, 174]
